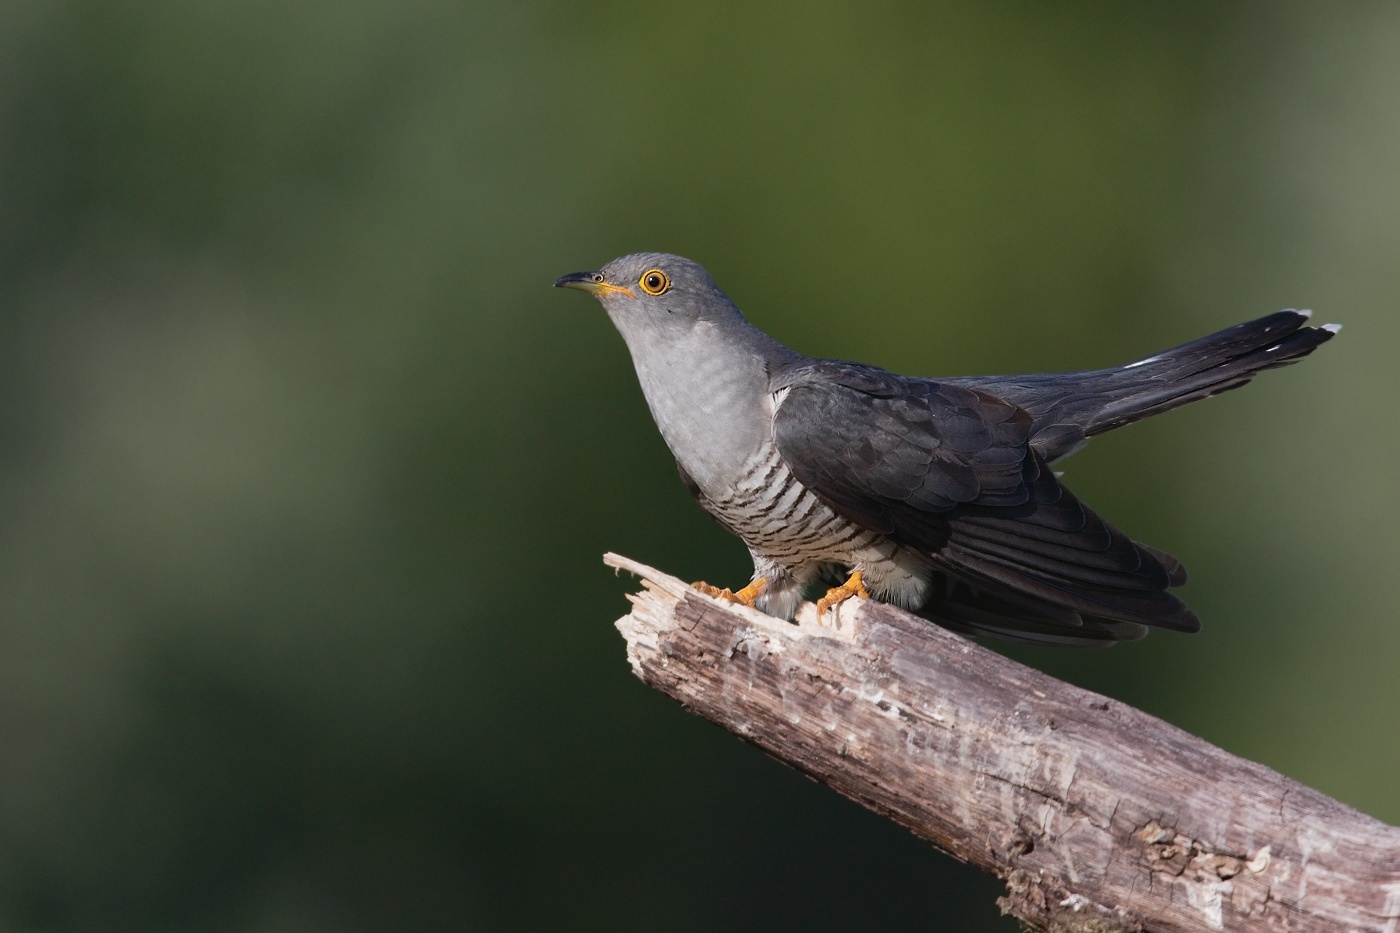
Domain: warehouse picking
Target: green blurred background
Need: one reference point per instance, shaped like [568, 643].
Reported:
[307, 472]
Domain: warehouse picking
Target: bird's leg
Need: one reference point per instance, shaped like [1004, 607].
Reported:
[839, 594]
[746, 596]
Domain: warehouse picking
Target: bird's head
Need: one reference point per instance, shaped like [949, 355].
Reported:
[654, 293]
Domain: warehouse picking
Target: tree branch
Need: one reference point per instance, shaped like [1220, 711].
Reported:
[1100, 817]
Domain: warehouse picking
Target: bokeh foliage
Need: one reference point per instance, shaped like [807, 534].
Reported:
[306, 472]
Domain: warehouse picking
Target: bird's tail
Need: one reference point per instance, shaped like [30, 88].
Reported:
[1067, 408]
[1205, 367]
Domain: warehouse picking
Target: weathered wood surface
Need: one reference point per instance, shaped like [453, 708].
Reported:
[1100, 817]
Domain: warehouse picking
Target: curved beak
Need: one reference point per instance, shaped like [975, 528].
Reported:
[592, 283]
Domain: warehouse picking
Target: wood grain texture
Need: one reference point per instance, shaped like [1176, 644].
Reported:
[1098, 816]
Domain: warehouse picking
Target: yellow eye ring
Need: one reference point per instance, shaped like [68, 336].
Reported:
[654, 282]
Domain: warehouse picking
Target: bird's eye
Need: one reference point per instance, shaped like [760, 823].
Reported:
[597, 278]
[654, 282]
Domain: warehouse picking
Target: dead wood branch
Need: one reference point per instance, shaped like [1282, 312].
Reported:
[1099, 816]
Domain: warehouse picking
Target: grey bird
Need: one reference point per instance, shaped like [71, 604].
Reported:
[937, 495]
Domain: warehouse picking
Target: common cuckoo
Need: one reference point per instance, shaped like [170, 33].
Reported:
[937, 495]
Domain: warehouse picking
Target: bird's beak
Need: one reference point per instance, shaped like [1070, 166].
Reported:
[590, 282]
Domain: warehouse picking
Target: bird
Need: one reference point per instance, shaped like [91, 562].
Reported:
[937, 495]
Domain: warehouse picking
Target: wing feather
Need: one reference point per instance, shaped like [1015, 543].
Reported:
[949, 472]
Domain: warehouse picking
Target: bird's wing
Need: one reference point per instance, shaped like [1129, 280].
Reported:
[896, 454]
[949, 472]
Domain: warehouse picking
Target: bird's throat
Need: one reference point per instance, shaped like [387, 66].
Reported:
[710, 403]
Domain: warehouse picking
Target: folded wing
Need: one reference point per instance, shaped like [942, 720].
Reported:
[949, 472]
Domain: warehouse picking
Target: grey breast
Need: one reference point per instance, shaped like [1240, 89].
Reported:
[782, 520]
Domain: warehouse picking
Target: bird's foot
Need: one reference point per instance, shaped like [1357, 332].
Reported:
[839, 594]
[746, 596]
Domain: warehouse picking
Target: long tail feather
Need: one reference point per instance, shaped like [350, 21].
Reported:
[1068, 408]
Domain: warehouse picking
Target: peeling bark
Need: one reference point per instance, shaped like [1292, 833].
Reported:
[1101, 818]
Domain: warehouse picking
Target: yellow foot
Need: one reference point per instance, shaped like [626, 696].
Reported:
[746, 596]
[839, 594]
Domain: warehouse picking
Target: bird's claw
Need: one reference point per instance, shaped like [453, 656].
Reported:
[839, 594]
[745, 597]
